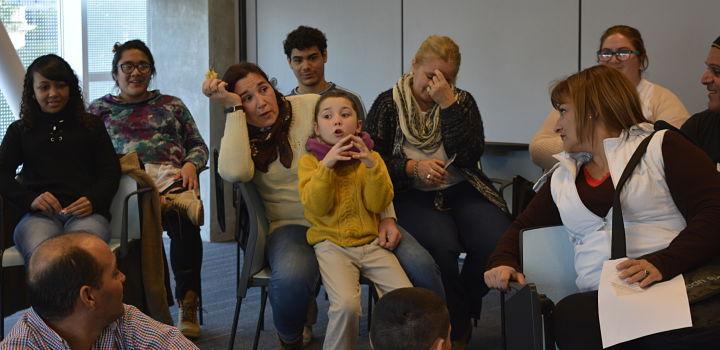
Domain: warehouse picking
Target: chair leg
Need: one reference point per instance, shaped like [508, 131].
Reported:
[502, 320]
[263, 303]
[200, 308]
[2, 304]
[238, 303]
[261, 317]
[370, 305]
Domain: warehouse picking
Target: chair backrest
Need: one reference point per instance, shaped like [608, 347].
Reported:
[252, 233]
[125, 191]
[548, 261]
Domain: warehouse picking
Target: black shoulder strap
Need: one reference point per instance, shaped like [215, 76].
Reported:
[618, 227]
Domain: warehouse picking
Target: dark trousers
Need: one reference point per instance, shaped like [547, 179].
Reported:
[472, 225]
[577, 326]
[186, 252]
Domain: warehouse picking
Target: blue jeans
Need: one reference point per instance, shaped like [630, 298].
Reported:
[472, 225]
[36, 227]
[296, 275]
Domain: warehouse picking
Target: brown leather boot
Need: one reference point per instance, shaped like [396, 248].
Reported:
[188, 315]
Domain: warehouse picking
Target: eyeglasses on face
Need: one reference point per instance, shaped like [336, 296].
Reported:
[622, 54]
[128, 67]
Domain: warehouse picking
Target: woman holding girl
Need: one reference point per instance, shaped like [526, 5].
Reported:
[265, 136]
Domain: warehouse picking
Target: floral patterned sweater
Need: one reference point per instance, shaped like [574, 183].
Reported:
[160, 129]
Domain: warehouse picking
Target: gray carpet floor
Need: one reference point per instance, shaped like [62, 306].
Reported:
[218, 284]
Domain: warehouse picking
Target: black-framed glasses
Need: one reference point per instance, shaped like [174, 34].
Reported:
[622, 54]
[128, 67]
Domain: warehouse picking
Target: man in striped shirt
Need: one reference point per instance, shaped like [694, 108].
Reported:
[76, 293]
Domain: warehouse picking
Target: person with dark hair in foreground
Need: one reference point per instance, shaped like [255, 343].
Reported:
[410, 319]
[76, 292]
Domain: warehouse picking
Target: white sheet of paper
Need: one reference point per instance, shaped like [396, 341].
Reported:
[627, 313]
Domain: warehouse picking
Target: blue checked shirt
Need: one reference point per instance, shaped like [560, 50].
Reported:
[132, 330]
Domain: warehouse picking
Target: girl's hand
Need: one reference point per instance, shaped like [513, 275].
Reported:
[338, 152]
[363, 153]
[431, 171]
[215, 89]
[441, 91]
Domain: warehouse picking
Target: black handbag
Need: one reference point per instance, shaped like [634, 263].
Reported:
[702, 283]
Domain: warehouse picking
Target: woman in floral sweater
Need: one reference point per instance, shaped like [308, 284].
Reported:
[163, 133]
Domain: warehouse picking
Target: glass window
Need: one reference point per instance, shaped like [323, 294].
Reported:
[109, 22]
[34, 31]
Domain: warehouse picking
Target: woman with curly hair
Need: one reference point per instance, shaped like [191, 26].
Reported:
[70, 172]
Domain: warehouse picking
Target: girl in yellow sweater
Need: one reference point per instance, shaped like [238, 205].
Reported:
[344, 186]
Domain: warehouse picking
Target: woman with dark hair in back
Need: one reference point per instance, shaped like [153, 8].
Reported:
[70, 172]
[621, 47]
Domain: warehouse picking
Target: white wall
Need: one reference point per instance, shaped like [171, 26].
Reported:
[512, 50]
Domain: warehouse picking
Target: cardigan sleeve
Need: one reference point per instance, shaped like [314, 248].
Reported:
[381, 125]
[462, 131]
[694, 185]
[235, 161]
[377, 186]
[541, 211]
[10, 159]
[546, 142]
[107, 168]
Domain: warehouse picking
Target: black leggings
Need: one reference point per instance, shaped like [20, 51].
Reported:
[577, 326]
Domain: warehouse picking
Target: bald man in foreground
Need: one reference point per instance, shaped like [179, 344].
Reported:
[76, 293]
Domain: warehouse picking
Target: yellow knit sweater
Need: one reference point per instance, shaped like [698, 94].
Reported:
[343, 204]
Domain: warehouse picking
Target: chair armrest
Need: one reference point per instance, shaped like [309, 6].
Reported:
[124, 228]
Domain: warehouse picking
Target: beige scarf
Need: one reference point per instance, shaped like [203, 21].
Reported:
[421, 131]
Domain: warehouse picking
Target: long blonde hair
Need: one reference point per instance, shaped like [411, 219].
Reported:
[439, 46]
[600, 94]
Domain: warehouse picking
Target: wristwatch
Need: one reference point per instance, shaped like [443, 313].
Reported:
[234, 109]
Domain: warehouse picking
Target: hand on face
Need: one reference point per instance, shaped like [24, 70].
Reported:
[215, 89]
[339, 152]
[440, 90]
[432, 171]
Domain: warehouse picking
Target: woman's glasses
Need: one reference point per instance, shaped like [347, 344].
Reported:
[622, 54]
[128, 67]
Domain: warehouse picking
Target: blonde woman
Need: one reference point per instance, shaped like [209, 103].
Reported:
[430, 135]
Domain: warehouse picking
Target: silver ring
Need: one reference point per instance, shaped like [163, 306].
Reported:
[646, 272]
[428, 177]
